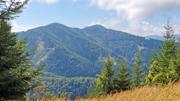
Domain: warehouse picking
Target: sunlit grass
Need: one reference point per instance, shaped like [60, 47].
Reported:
[52, 99]
[170, 92]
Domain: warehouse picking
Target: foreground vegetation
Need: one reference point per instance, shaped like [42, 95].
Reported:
[17, 74]
[170, 92]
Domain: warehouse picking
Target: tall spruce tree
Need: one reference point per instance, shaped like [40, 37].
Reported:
[143, 76]
[122, 82]
[136, 75]
[16, 73]
[105, 79]
[163, 65]
[178, 59]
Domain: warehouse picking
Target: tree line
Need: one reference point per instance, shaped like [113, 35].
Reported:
[164, 68]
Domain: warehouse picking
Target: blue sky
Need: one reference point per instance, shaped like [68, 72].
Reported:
[140, 17]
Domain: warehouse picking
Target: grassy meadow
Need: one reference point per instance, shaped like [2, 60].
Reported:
[170, 92]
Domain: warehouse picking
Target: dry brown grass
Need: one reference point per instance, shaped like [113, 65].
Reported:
[52, 99]
[167, 93]
[170, 92]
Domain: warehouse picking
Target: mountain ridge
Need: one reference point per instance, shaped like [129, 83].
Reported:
[72, 52]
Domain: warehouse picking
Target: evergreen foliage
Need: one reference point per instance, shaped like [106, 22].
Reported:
[122, 81]
[105, 79]
[163, 68]
[143, 75]
[10, 8]
[178, 59]
[136, 76]
[70, 86]
[17, 76]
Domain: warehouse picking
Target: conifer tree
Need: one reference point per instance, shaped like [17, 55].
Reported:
[10, 8]
[153, 68]
[122, 82]
[105, 79]
[163, 66]
[143, 76]
[16, 73]
[178, 59]
[136, 76]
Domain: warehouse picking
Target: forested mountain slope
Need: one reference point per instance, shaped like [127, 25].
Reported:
[73, 52]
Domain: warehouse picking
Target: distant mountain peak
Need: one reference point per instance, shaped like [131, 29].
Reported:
[51, 25]
[97, 26]
[56, 24]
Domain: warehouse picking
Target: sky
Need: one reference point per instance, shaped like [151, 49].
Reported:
[139, 17]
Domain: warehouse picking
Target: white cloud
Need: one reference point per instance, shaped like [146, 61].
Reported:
[19, 27]
[136, 12]
[48, 1]
[114, 23]
[134, 9]
[143, 28]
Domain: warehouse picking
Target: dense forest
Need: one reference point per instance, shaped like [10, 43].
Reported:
[65, 87]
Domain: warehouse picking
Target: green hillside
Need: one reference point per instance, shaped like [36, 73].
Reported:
[73, 52]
